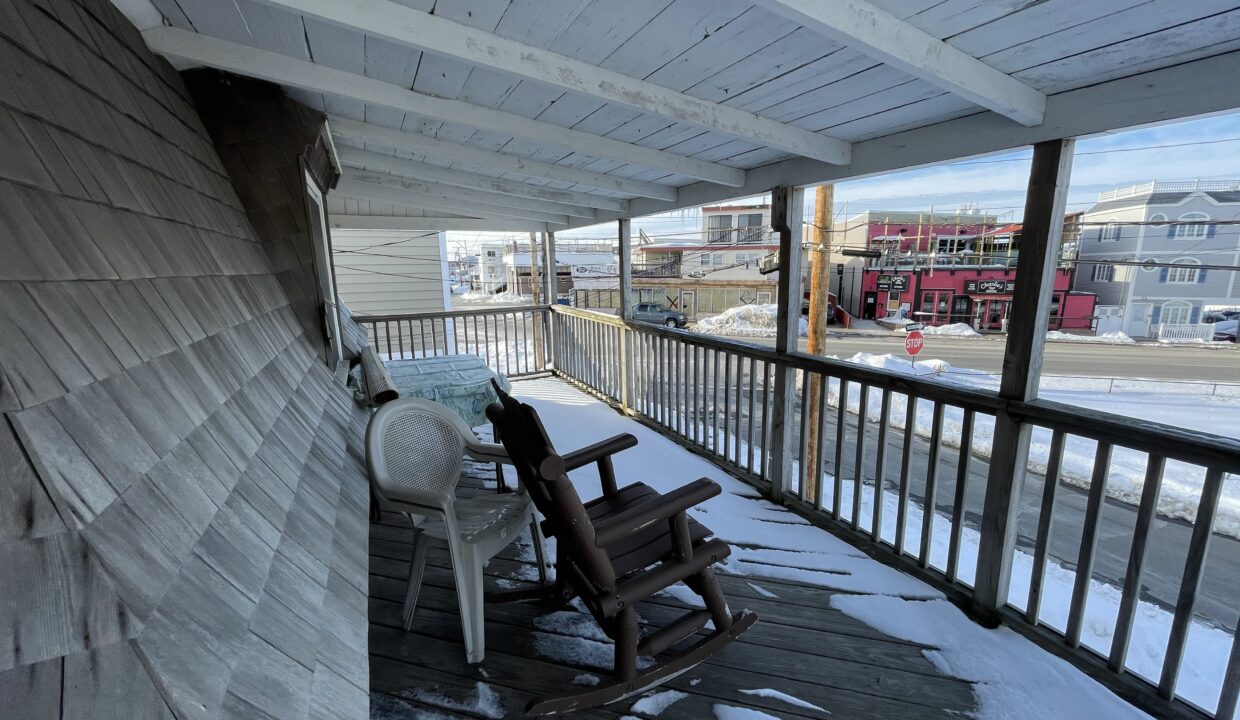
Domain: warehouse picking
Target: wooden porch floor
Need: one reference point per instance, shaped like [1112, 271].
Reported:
[800, 646]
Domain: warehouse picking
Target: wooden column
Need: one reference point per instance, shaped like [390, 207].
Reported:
[625, 235]
[1045, 202]
[550, 285]
[786, 209]
[536, 299]
[819, 289]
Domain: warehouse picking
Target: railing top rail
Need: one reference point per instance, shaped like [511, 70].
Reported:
[594, 315]
[489, 310]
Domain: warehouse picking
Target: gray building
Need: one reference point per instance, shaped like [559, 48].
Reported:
[1182, 232]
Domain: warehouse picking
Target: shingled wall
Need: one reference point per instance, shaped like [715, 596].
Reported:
[182, 503]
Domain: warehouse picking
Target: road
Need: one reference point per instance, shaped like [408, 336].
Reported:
[1091, 360]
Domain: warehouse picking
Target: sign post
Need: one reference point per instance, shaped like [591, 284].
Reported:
[913, 343]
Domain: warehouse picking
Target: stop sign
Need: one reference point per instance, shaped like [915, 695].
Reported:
[913, 342]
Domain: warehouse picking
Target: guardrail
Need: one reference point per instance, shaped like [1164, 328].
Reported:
[511, 339]
[895, 464]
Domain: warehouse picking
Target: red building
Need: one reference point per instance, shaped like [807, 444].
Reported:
[978, 296]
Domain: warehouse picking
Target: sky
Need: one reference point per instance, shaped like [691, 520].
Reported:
[1204, 148]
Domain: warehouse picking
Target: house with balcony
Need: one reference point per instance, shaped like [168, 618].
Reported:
[187, 524]
[1155, 254]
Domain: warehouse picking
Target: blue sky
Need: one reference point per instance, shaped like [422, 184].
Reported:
[997, 183]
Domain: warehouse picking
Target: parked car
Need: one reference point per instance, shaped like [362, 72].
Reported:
[659, 315]
[1215, 316]
[1226, 329]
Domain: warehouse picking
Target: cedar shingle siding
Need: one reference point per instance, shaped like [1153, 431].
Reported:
[182, 501]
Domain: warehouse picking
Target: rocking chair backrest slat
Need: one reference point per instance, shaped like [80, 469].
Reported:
[525, 439]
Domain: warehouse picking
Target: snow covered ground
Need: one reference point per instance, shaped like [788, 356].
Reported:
[504, 298]
[1014, 679]
[743, 321]
[1182, 483]
[1111, 338]
[953, 330]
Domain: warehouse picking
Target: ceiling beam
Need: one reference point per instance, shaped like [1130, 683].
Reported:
[245, 60]
[421, 30]
[365, 190]
[353, 157]
[466, 195]
[887, 38]
[447, 152]
[436, 224]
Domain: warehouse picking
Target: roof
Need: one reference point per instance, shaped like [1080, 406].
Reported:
[496, 115]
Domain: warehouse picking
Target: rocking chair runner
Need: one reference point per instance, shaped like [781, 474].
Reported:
[618, 550]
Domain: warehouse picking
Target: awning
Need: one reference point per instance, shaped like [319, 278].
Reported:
[991, 297]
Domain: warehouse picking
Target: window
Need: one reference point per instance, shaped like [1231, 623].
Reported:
[1176, 312]
[1183, 272]
[1158, 220]
[705, 259]
[764, 298]
[1187, 228]
[717, 258]
[1103, 273]
[718, 228]
[1110, 231]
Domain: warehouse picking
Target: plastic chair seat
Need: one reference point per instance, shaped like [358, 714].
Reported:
[481, 518]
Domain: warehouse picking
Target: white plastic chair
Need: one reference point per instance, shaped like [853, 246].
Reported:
[415, 451]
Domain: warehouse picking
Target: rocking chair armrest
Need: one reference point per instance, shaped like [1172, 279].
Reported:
[651, 510]
[598, 451]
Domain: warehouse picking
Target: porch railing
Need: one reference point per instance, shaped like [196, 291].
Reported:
[898, 465]
[1187, 331]
[512, 340]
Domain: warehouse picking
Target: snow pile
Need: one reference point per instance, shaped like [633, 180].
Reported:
[744, 321]
[1111, 338]
[504, 298]
[1016, 679]
[483, 701]
[953, 330]
[655, 704]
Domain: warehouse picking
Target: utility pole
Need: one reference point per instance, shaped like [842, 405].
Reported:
[819, 289]
[536, 299]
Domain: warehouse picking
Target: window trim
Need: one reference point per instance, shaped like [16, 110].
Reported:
[1194, 221]
[1190, 268]
[1158, 220]
[1178, 304]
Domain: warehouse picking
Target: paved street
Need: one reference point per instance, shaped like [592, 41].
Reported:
[1141, 361]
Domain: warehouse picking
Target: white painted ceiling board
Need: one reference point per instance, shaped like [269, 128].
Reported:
[802, 80]
[799, 48]
[342, 49]
[1029, 24]
[906, 117]
[389, 62]
[604, 26]
[874, 105]
[538, 22]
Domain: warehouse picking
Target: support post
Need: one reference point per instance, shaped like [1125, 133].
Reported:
[819, 292]
[625, 237]
[550, 285]
[786, 208]
[1045, 202]
[535, 298]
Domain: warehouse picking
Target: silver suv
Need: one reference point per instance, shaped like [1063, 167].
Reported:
[659, 315]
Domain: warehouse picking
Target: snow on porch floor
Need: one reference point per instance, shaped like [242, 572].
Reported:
[839, 634]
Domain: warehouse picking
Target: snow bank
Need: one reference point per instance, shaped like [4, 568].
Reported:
[504, 298]
[1111, 338]
[953, 330]
[744, 321]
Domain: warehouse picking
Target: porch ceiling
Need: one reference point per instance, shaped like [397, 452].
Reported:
[577, 111]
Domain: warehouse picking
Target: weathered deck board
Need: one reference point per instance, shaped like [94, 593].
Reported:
[800, 646]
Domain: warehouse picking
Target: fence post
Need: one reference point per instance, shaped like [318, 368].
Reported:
[550, 282]
[786, 218]
[625, 237]
[1045, 201]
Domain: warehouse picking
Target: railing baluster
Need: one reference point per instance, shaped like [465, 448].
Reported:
[806, 473]
[727, 405]
[1194, 564]
[1046, 513]
[841, 426]
[422, 334]
[906, 469]
[736, 412]
[387, 335]
[930, 496]
[880, 470]
[859, 461]
[820, 438]
[1231, 684]
[714, 401]
[1154, 466]
[766, 417]
[753, 384]
[962, 478]
[1089, 542]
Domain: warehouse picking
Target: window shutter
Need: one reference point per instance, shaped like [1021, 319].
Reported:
[1193, 314]
[1162, 275]
[1171, 230]
[1210, 230]
[1157, 312]
[1201, 276]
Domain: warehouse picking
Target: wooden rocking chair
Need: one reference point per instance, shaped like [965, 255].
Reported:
[618, 550]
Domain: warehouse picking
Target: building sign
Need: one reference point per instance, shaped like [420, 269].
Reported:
[898, 283]
[989, 287]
